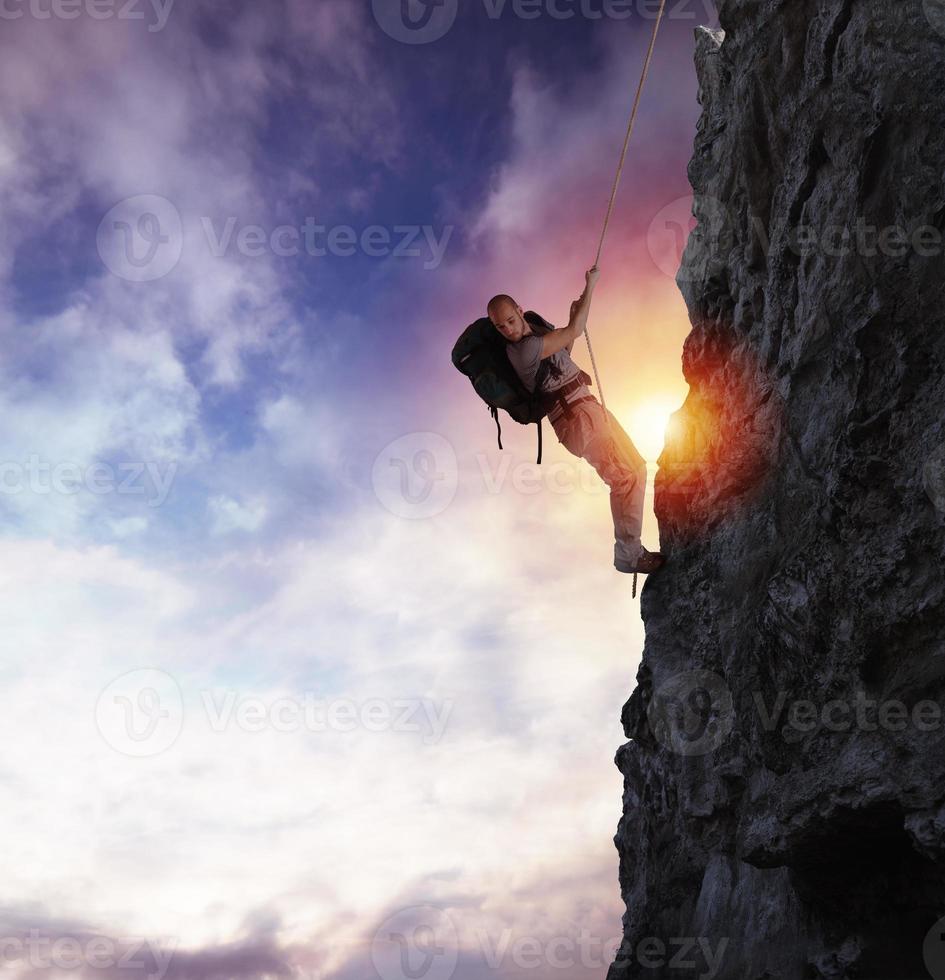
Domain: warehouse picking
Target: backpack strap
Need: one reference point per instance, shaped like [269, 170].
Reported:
[494, 412]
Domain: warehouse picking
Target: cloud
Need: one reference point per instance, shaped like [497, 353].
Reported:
[272, 575]
[84, 407]
[289, 820]
[37, 945]
[99, 111]
[227, 514]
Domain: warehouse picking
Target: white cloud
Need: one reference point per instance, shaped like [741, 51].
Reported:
[105, 111]
[506, 606]
[127, 527]
[95, 112]
[321, 827]
[109, 401]
[227, 514]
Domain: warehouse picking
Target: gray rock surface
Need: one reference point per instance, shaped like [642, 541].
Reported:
[784, 800]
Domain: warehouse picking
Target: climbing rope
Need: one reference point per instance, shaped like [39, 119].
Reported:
[613, 193]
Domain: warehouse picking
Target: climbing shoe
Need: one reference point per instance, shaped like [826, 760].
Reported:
[649, 561]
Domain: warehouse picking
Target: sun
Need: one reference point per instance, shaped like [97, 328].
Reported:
[647, 422]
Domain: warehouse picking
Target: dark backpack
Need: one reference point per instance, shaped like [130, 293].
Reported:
[480, 354]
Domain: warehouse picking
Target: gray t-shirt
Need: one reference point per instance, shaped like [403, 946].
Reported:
[525, 356]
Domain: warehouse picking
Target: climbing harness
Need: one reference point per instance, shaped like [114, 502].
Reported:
[559, 402]
[552, 406]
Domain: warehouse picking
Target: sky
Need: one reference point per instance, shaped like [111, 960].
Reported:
[303, 676]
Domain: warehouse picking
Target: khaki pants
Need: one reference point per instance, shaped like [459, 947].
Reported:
[585, 432]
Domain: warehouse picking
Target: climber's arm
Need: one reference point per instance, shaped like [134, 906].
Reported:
[568, 348]
[564, 339]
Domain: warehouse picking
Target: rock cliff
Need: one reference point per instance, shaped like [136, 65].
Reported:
[784, 793]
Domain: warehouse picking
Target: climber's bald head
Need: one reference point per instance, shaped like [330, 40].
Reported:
[503, 299]
[508, 317]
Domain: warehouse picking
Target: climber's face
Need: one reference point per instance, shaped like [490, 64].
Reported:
[510, 321]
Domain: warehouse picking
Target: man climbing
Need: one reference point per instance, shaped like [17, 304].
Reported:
[582, 425]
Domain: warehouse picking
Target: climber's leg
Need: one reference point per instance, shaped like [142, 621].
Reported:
[630, 499]
[587, 432]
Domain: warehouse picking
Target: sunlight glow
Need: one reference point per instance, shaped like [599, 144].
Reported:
[647, 422]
